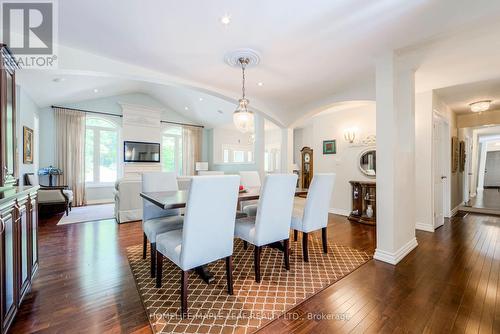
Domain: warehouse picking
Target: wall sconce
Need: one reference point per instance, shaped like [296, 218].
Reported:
[350, 135]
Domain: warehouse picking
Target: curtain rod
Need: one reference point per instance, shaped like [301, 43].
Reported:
[116, 115]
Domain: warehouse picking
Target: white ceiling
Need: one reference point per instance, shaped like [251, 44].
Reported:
[459, 97]
[198, 106]
[310, 49]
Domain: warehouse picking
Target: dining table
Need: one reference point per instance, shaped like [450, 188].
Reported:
[177, 199]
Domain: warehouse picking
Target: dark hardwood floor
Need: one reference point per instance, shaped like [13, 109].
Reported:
[449, 283]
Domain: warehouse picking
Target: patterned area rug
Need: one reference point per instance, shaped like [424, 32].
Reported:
[253, 305]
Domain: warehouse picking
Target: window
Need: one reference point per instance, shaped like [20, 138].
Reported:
[238, 156]
[171, 151]
[101, 150]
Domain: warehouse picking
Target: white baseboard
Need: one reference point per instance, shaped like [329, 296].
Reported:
[341, 212]
[424, 227]
[455, 210]
[100, 201]
[394, 257]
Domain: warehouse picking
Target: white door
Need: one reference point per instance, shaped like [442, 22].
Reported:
[492, 169]
[440, 159]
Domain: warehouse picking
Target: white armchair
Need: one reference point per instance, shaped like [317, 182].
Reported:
[155, 220]
[128, 202]
[315, 214]
[272, 223]
[208, 231]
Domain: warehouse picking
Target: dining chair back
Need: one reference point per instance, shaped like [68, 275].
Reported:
[250, 179]
[275, 208]
[209, 220]
[156, 182]
[318, 202]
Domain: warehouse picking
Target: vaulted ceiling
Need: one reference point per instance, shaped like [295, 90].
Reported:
[310, 50]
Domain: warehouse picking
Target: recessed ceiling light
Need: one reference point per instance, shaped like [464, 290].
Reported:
[201, 99]
[96, 90]
[186, 108]
[260, 84]
[480, 106]
[225, 20]
[59, 79]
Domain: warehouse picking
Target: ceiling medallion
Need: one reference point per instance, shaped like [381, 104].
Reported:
[243, 118]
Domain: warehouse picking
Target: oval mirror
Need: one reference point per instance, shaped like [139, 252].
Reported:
[368, 162]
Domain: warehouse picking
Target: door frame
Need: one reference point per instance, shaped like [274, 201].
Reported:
[444, 126]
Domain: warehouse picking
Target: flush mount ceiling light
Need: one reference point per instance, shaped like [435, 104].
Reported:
[480, 106]
[243, 118]
[225, 20]
[96, 90]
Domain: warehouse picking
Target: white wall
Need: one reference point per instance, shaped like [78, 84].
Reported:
[229, 135]
[331, 125]
[428, 104]
[424, 214]
[26, 110]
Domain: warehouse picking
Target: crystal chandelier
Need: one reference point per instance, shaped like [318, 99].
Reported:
[243, 118]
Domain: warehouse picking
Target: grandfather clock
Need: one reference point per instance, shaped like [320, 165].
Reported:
[307, 166]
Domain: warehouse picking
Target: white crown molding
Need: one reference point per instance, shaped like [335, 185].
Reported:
[394, 257]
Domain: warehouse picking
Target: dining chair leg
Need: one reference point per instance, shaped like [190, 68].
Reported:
[144, 245]
[153, 259]
[305, 253]
[159, 268]
[295, 235]
[184, 293]
[286, 253]
[245, 245]
[257, 251]
[229, 274]
[324, 237]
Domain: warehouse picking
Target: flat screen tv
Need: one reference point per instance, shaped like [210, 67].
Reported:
[135, 151]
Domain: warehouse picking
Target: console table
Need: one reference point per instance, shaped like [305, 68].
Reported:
[364, 202]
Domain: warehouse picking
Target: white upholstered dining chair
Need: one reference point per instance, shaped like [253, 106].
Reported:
[250, 179]
[315, 215]
[272, 223]
[208, 231]
[155, 220]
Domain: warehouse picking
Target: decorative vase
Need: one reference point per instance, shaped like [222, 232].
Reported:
[369, 211]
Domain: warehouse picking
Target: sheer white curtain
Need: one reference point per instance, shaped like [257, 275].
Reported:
[191, 150]
[70, 151]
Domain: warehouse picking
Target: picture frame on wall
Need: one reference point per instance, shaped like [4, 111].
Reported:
[329, 146]
[462, 157]
[454, 154]
[27, 145]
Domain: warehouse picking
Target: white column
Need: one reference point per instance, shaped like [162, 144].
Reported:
[260, 135]
[286, 150]
[395, 160]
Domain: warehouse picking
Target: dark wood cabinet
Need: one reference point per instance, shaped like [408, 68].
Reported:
[364, 202]
[18, 249]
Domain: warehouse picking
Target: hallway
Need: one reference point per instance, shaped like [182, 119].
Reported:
[487, 201]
